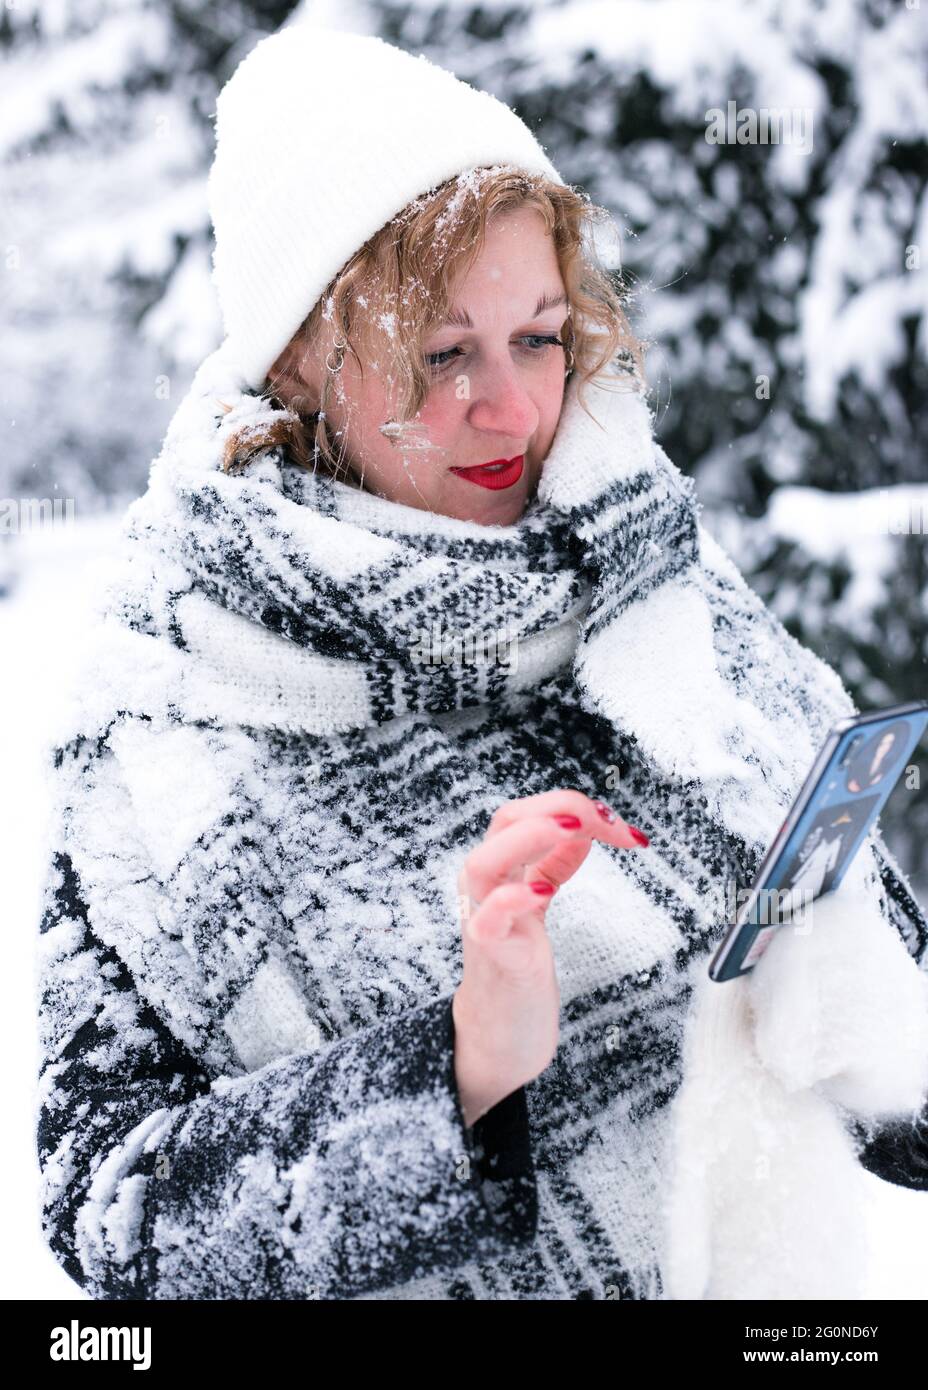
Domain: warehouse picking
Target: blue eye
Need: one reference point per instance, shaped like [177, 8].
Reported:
[437, 360]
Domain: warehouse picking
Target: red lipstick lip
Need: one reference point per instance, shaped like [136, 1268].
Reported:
[490, 463]
[502, 478]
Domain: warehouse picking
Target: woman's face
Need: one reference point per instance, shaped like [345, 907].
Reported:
[497, 387]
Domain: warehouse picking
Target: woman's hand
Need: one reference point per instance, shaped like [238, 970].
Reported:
[840, 1004]
[507, 1005]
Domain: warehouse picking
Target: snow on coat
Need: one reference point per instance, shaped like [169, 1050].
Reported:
[251, 935]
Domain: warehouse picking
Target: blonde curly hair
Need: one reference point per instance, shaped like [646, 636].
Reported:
[410, 265]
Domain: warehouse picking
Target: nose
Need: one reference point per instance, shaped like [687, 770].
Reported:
[502, 405]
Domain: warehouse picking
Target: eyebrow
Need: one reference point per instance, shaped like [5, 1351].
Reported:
[550, 300]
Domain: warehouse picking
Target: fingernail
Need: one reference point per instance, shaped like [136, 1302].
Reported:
[569, 822]
[638, 836]
[605, 811]
[543, 888]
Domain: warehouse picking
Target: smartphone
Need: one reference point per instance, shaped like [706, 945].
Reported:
[852, 778]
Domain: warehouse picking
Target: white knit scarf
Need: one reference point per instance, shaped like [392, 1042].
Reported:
[279, 607]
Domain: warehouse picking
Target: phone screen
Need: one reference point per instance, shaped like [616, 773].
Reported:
[853, 777]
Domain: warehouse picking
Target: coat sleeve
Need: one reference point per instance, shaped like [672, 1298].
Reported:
[327, 1174]
[897, 1151]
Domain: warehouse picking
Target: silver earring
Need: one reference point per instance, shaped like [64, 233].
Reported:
[339, 347]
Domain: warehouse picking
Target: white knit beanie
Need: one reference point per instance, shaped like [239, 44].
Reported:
[323, 136]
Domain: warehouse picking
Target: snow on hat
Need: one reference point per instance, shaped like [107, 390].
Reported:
[323, 136]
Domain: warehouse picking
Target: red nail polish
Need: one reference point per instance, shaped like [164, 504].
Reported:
[569, 822]
[638, 836]
[605, 811]
[544, 888]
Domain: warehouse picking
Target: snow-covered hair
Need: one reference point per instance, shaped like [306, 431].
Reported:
[397, 287]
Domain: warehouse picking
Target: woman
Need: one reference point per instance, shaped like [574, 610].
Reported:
[375, 970]
[819, 858]
[875, 761]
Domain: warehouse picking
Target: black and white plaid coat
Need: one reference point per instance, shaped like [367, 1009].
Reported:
[251, 937]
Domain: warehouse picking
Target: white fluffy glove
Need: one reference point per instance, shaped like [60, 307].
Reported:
[765, 1194]
[840, 1004]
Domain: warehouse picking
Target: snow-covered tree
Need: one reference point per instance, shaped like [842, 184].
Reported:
[105, 140]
